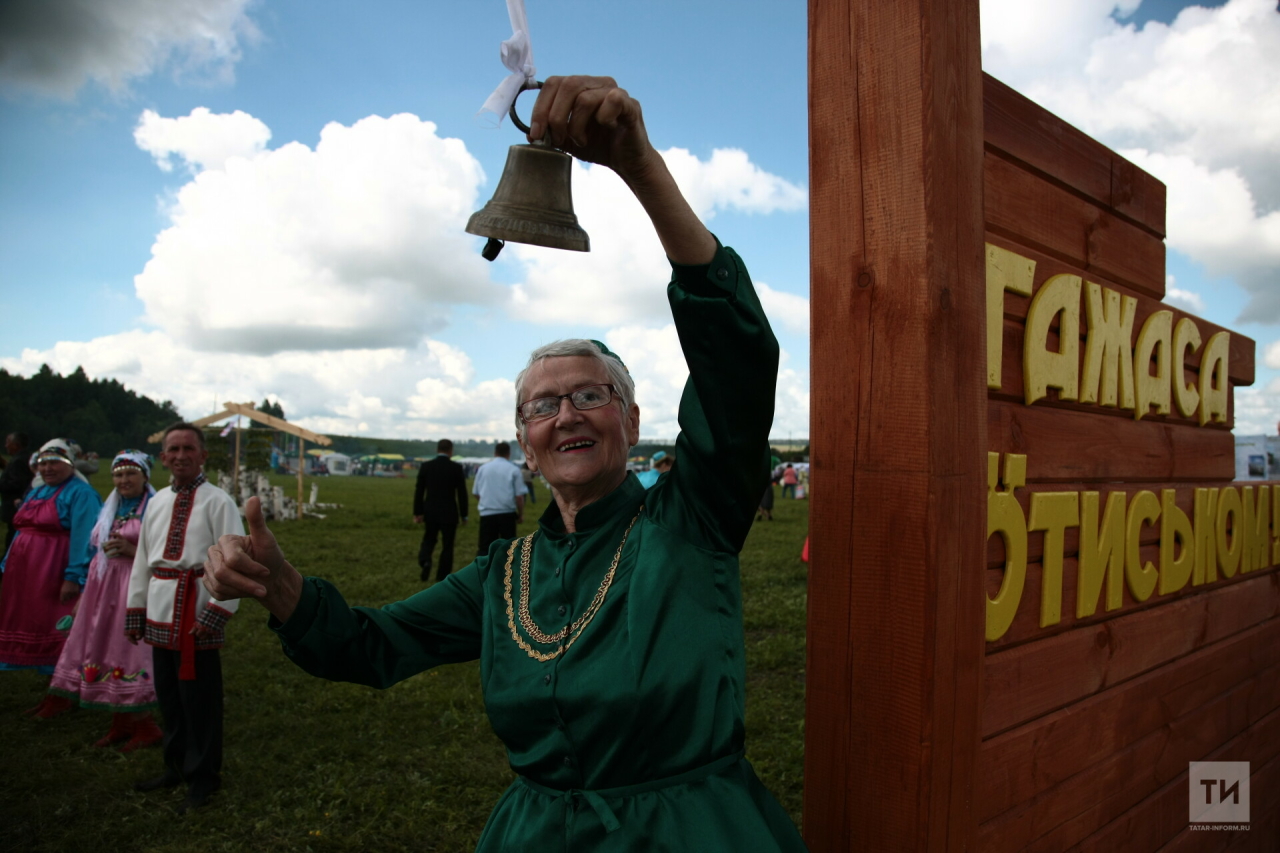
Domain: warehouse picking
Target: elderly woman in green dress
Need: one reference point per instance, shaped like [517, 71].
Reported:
[610, 639]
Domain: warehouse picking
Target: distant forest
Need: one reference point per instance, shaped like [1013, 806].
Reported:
[100, 414]
[104, 416]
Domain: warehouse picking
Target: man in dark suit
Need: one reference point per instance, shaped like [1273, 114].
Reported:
[439, 501]
[15, 479]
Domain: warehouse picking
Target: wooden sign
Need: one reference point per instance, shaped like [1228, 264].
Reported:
[1036, 595]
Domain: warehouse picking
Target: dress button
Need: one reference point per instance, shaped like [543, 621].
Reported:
[563, 610]
[722, 273]
[557, 571]
[568, 762]
[546, 679]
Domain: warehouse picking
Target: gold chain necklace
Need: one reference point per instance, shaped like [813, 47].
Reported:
[572, 631]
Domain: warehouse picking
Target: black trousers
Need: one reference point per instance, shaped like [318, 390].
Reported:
[500, 525]
[192, 713]
[430, 530]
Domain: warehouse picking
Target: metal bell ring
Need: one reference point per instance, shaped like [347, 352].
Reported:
[533, 202]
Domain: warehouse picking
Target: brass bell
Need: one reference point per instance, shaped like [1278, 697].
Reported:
[533, 202]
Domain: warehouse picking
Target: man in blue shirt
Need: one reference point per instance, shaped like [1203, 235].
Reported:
[658, 465]
[499, 486]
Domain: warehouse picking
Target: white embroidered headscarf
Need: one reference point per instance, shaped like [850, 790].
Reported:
[125, 459]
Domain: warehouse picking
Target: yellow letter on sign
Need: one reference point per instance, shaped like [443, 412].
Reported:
[1206, 514]
[1185, 396]
[1213, 379]
[1257, 530]
[1175, 534]
[1153, 340]
[1053, 512]
[1229, 519]
[1143, 509]
[1107, 357]
[1005, 271]
[1101, 553]
[1041, 368]
[1004, 516]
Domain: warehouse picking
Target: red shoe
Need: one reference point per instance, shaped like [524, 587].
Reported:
[145, 733]
[121, 730]
[51, 707]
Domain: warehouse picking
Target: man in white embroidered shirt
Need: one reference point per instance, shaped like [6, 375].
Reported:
[170, 608]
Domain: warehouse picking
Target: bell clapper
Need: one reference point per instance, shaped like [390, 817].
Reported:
[491, 249]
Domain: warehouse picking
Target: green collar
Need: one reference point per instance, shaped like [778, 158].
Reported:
[618, 505]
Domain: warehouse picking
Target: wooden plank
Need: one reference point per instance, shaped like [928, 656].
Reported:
[1011, 388]
[1150, 534]
[1024, 762]
[1065, 445]
[1263, 834]
[1070, 812]
[155, 437]
[276, 423]
[1037, 678]
[1242, 350]
[1026, 623]
[895, 620]
[1162, 815]
[1027, 208]
[1023, 130]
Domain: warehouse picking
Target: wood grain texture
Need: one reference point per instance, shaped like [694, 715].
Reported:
[1034, 679]
[1027, 761]
[1242, 351]
[1022, 130]
[1242, 722]
[1068, 446]
[895, 632]
[1162, 815]
[1025, 207]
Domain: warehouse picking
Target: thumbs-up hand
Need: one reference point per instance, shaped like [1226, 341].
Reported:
[253, 566]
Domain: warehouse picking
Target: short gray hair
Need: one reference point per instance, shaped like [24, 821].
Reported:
[619, 376]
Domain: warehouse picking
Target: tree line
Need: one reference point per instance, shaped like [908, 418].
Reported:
[100, 414]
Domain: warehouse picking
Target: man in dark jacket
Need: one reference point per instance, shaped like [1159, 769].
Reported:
[15, 479]
[439, 501]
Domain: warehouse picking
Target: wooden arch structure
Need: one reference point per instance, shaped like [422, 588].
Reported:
[991, 355]
[247, 410]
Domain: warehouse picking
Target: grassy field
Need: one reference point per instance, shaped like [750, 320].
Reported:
[315, 766]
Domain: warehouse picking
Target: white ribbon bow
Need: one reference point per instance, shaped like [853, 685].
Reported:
[517, 56]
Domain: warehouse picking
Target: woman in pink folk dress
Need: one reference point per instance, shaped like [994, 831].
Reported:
[99, 667]
[45, 567]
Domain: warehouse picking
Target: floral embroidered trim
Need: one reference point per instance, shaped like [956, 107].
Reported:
[92, 673]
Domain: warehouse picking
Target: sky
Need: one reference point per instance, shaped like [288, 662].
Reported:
[214, 200]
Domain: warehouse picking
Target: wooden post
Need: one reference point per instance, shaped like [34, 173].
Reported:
[302, 461]
[898, 425]
[235, 466]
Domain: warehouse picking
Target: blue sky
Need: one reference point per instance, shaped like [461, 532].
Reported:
[331, 273]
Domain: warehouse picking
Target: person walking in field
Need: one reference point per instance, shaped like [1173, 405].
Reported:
[499, 489]
[789, 481]
[439, 503]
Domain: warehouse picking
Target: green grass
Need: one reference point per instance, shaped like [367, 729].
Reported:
[315, 766]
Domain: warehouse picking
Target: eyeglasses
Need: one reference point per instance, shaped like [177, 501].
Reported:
[584, 398]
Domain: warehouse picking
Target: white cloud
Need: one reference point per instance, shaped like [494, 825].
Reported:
[1212, 217]
[1188, 300]
[1271, 357]
[358, 243]
[395, 392]
[658, 367]
[784, 310]
[623, 278]
[53, 47]
[204, 140]
[1258, 409]
[1200, 94]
